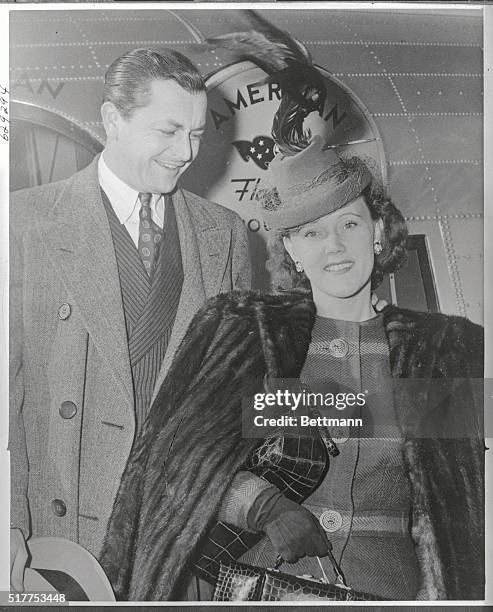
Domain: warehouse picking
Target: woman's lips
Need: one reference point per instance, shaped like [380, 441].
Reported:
[339, 267]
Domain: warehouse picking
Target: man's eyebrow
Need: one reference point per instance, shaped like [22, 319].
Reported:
[173, 123]
[177, 124]
[166, 122]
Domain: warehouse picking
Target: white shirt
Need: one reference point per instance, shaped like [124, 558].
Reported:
[125, 201]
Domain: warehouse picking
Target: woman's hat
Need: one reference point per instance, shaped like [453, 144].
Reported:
[310, 184]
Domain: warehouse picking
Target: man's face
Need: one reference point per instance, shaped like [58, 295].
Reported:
[153, 147]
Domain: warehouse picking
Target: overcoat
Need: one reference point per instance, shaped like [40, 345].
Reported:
[192, 443]
[72, 399]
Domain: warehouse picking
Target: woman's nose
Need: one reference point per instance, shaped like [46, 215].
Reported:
[333, 243]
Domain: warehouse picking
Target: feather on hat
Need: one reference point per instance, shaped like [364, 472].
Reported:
[306, 178]
[288, 63]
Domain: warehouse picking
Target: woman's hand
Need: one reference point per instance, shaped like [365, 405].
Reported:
[292, 529]
[295, 532]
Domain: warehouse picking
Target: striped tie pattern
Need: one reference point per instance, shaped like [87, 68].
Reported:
[150, 234]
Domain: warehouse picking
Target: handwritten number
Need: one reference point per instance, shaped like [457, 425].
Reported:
[4, 113]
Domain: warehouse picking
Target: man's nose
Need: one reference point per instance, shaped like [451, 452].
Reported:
[183, 148]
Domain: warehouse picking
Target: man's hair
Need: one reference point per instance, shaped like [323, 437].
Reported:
[128, 81]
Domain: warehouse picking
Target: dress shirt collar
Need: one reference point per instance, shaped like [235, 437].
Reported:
[125, 200]
[122, 197]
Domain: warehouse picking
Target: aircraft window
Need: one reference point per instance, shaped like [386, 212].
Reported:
[46, 147]
[413, 286]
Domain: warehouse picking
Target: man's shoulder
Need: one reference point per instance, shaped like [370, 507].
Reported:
[37, 201]
[27, 205]
[202, 206]
[39, 193]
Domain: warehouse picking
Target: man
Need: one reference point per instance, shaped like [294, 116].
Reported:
[108, 268]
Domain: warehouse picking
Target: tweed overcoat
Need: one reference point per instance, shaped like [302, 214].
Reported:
[68, 343]
[192, 444]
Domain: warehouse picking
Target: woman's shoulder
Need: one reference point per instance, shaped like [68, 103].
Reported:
[241, 322]
[449, 337]
[243, 313]
[243, 303]
[414, 320]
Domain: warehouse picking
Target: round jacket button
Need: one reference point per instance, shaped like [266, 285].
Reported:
[330, 520]
[59, 508]
[67, 410]
[64, 311]
[338, 347]
[340, 434]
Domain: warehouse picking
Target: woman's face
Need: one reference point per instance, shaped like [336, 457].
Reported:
[336, 251]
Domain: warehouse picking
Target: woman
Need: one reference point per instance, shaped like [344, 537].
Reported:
[401, 504]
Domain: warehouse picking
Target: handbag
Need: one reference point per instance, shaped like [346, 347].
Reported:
[242, 582]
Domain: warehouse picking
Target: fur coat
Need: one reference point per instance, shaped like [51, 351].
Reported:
[191, 445]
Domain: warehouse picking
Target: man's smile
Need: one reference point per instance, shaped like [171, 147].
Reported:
[168, 165]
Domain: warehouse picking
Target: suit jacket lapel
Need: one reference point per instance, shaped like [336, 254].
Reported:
[204, 249]
[78, 236]
[213, 241]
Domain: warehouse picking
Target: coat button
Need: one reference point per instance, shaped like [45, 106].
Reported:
[64, 311]
[59, 508]
[338, 347]
[330, 520]
[67, 410]
[340, 434]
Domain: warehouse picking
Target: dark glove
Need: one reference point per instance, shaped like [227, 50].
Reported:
[292, 529]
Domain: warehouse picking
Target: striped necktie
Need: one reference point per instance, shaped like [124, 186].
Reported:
[150, 234]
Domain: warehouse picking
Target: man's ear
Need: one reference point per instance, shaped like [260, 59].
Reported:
[288, 245]
[111, 120]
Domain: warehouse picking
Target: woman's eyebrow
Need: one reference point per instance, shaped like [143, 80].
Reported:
[354, 214]
[300, 228]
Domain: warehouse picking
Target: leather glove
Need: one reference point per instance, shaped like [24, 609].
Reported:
[292, 529]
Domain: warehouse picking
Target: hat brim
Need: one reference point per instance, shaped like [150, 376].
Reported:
[322, 199]
[59, 565]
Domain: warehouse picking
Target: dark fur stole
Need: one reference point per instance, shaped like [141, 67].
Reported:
[191, 445]
[444, 449]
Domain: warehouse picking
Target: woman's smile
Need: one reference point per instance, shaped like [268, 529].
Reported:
[340, 267]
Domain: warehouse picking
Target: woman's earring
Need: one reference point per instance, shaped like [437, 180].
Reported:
[377, 247]
[298, 266]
